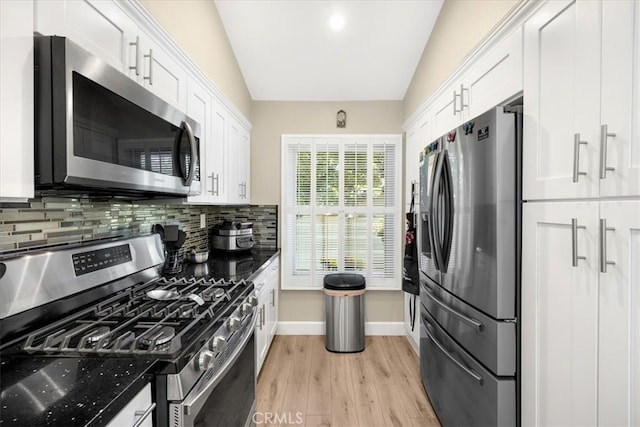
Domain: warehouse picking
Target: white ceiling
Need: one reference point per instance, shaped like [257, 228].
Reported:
[287, 52]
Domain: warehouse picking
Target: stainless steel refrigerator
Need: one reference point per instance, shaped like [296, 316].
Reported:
[469, 244]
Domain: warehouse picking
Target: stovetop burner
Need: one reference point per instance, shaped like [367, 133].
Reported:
[131, 323]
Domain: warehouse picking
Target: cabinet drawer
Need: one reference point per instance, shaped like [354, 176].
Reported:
[138, 410]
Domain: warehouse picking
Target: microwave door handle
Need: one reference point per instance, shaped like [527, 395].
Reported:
[194, 155]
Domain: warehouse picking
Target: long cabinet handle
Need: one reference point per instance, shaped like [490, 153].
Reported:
[136, 65]
[455, 95]
[273, 297]
[150, 76]
[576, 156]
[143, 415]
[604, 136]
[466, 319]
[603, 245]
[574, 242]
[473, 374]
[213, 184]
[462, 89]
[217, 184]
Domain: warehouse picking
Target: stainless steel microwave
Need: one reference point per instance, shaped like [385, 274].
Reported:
[97, 132]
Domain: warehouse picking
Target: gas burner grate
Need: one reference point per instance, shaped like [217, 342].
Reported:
[131, 323]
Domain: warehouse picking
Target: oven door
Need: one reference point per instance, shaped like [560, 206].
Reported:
[227, 398]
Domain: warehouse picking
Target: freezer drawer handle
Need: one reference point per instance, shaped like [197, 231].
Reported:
[473, 374]
[466, 319]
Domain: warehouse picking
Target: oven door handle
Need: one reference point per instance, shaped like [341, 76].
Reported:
[192, 404]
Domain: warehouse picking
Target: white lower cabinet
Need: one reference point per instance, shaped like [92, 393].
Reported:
[580, 313]
[267, 287]
[137, 412]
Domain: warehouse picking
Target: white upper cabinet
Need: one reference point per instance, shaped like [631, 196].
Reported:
[104, 29]
[199, 109]
[218, 154]
[239, 191]
[619, 162]
[494, 77]
[412, 155]
[101, 27]
[16, 99]
[160, 73]
[582, 114]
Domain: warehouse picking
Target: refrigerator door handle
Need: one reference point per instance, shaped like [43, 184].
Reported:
[473, 374]
[448, 208]
[466, 319]
[434, 217]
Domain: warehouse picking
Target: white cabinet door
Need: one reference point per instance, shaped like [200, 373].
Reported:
[199, 109]
[619, 346]
[496, 77]
[274, 290]
[559, 314]
[100, 27]
[239, 163]
[140, 406]
[161, 74]
[620, 113]
[16, 99]
[411, 159]
[218, 161]
[447, 110]
[262, 345]
[562, 104]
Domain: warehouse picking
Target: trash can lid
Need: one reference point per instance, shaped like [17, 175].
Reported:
[344, 281]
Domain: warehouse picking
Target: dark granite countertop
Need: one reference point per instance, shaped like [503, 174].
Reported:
[89, 391]
[63, 391]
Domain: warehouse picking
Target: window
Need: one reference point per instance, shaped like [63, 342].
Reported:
[341, 209]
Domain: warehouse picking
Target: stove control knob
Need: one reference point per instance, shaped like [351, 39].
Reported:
[252, 300]
[234, 324]
[219, 345]
[246, 309]
[205, 360]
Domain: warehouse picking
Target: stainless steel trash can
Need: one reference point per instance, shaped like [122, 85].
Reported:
[344, 312]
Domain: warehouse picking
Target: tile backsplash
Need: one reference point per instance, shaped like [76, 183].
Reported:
[50, 221]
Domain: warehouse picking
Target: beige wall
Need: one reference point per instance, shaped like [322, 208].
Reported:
[461, 25]
[271, 119]
[196, 26]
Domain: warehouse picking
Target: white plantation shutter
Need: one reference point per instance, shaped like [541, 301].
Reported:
[341, 209]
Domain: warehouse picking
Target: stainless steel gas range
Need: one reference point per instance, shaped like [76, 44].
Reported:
[107, 301]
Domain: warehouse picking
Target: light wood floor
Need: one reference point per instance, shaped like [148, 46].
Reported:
[304, 384]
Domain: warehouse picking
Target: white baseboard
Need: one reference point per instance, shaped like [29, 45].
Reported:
[317, 328]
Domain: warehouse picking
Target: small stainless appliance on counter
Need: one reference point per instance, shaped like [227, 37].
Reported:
[233, 236]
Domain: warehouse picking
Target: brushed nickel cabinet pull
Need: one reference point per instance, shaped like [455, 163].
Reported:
[603, 245]
[136, 65]
[150, 76]
[604, 136]
[574, 242]
[576, 156]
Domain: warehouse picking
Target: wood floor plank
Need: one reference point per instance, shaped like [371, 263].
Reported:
[318, 421]
[319, 401]
[300, 371]
[343, 404]
[391, 404]
[379, 386]
[294, 404]
[377, 361]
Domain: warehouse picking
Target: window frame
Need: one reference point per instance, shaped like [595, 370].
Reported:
[392, 210]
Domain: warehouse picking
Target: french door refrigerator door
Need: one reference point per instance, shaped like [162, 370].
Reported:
[426, 259]
[481, 268]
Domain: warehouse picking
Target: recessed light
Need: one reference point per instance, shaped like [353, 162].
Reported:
[337, 22]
